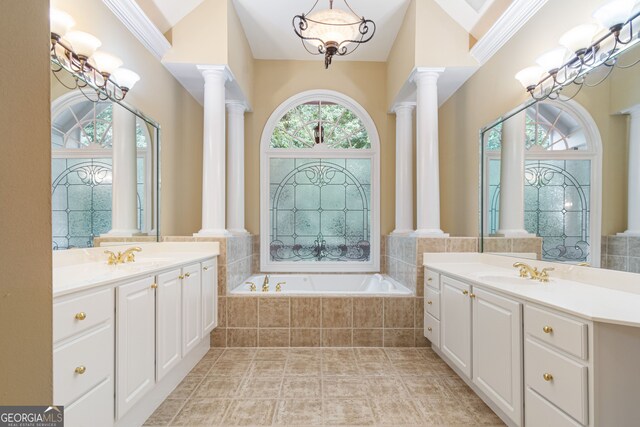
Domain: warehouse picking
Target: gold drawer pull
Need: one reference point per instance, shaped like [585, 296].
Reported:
[429, 329]
[80, 370]
[429, 302]
[547, 377]
[187, 274]
[154, 286]
[472, 295]
[205, 268]
[81, 316]
[547, 329]
[465, 292]
[430, 279]
[181, 276]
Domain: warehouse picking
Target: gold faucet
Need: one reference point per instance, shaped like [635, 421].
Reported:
[252, 286]
[532, 272]
[279, 286]
[122, 257]
[265, 284]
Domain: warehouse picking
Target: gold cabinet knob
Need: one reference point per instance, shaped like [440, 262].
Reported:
[547, 377]
[472, 295]
[465, 292]
[80, 370]
[154, 286]
[429, 329]
[430, 279]
[547, 329]
[205, 268]
[429, 302]
[81, 316]
[181, 276]
[187, 274]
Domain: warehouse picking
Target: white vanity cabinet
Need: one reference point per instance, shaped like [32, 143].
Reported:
[455, 323]
[191, 307]
[209, 296]
[168, 322]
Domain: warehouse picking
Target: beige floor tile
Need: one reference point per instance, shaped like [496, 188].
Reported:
[338, 354]
[375, 368]
[186, 387]
[259, 387]
[271, 354]
[351, 387]
[333, 368]
[218, 387]
[203, 367]
[303, 368]
[395, 412]
[305, 354]
[267, 368]
[299, 412]
[233, 354]
[213, 353]
[230, 369]
[201, 412]
[165, 412]
[426, 387]
[444, 411]
[250, 413]
[386, 387]
[370, 355]
[403, 354]
[301, 387]
[412, 367]
[338, 412]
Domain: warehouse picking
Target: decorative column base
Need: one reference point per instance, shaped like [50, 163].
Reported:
[430, 233]
[402, 232]
[241, 232]
[212, 233]
[123, 233]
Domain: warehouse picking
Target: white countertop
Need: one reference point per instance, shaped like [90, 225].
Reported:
[602, 296]
[81, 269]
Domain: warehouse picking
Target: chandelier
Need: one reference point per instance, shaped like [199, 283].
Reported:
[332, 31]
[77, 53]
[583, 49]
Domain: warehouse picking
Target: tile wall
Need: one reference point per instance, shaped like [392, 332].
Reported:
[621, 253]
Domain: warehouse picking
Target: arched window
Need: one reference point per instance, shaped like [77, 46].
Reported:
[320, 186]
[81, 170]
[562, 180]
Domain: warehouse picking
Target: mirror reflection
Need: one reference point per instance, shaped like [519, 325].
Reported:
[558, 180]
[103, 170]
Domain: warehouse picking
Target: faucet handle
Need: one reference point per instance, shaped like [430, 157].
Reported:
[544, 274]
[279, 286]
[252, 286]
[113, 258]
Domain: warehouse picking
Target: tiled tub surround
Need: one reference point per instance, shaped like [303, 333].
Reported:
[361, 386]
[402, 255]
[621, 253]
[263, 321]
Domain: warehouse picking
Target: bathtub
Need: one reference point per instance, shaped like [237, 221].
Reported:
[324, 284]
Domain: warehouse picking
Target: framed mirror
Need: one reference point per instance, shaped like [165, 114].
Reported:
[558, 182]
[105, 168]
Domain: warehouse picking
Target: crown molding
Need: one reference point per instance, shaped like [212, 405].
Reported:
[514, 18]
[139, 24]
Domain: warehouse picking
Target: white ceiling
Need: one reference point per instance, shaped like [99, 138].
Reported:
[167, 13]
[269, 29]
[467, 13]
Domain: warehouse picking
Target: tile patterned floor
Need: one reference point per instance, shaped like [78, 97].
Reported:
[330, 387]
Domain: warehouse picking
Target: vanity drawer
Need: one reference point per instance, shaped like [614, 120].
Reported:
[541, 413]
[432, 279]
[94, 408]
[93, 352]
[432, 302]
[78, 314]
[566, 388]
[432, 330]
[566, 334]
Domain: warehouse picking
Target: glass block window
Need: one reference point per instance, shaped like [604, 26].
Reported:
[320, 122]
[320, 209]
[556, 205]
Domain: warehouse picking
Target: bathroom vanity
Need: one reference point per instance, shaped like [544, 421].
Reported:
[125, 335]
[560, 353]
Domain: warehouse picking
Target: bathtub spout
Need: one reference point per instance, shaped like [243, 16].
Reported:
[265, 284]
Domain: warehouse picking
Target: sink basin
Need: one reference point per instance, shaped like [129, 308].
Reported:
[501, 279]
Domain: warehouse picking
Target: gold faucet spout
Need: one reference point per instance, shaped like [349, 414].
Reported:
[129, 255]
[526, 270]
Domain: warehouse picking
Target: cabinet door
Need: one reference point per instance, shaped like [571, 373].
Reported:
[168, 322]
[497, 351]
[455, 323]
[191, 308]
[209, 296]
[135, 342]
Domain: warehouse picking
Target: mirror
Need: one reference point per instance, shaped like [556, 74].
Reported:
[556, 183]
[104, 168]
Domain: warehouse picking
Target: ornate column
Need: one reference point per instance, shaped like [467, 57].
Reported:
[633, 198]
[427, 160]
[235, 141]
[404, 168]
[213, 152]
[512, 177]
[124, 189]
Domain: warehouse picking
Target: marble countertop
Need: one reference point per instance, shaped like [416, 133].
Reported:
[607, 296]
[78, 270]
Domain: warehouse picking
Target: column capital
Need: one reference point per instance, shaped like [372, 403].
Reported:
[425, 73]
[236, 106]
[213, 71]
[401, 107]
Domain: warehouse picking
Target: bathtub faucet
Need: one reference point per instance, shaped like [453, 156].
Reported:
[265, 284]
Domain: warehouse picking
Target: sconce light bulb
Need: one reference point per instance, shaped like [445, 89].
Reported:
[60, 23]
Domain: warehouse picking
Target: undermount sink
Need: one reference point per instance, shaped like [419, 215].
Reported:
[503, 279]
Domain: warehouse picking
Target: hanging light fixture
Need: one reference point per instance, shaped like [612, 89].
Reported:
[332, 31]
[585, 48]
[77, 53]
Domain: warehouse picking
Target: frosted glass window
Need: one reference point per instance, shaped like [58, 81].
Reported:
[320, 209]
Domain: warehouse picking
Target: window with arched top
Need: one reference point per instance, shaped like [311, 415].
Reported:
[81, 171]
[561, 182]
[320, 186]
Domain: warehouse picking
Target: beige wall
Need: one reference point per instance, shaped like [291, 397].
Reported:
[162, 98]
[240, 57]
[276, 81]
[26, 374]
[401, 60]
[493, 91]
